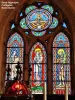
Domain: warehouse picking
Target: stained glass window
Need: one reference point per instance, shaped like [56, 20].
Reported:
[38, 60]
[38, 19]
[14, 61]
[61, 64]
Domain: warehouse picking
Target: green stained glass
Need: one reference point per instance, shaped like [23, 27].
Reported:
[54, 23]
[49, 8]
[38, 33]
[37, 89]
[23, 23]
[28, 9]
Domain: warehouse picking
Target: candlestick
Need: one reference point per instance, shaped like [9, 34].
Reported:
[66, 92]
[45, 91]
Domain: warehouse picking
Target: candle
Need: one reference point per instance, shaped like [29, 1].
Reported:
[66, 92]
[45, 91]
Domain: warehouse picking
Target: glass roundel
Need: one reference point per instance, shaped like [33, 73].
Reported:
[39, 19]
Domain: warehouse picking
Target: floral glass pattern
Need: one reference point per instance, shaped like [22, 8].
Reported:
[38, 20]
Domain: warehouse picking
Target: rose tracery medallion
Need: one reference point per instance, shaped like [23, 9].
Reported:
[39, 19]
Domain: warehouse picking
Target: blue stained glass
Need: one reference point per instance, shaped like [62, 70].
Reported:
[60, 44]
[27, 33]
[61, 37]
[54, 23]
[61, 40]
[15, 38]
[21, 14]
[15, 45]
[44, 17]
[12, 26]
[49, 8]
[17, 50]
[33, 17]
[64, 25]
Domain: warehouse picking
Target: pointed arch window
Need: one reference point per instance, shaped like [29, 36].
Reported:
[14, 57]
[38, 63]
[61, 64]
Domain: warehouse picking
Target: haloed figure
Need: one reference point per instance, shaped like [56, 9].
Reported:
[38, 65]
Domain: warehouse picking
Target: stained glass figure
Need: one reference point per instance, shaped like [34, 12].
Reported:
[15, 50]
[62, 55]
[39, 19]
[30, 8]
[38, 64]
[54, 23]
[38, 33]
[49, 8]
[23, 23]
[61, 64]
